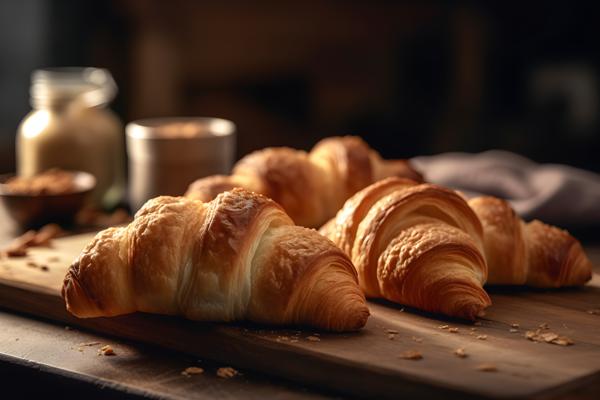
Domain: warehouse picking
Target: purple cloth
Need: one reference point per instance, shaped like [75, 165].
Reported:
[557, 194]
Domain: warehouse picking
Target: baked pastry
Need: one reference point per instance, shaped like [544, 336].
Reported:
[238, 257]
[311, 187]
[533, 254]
[416, 244]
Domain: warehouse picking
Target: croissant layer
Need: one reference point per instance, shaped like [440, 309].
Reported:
[533, 254]
[311, 187]
[416, 244]
[238, 257]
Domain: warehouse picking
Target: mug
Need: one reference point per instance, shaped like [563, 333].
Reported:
[167, 154]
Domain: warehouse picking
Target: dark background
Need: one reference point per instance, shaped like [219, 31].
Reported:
[410, 77]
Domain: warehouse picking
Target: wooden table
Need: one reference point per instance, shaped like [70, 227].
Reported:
[32, 350]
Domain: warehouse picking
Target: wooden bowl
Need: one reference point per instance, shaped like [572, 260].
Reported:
[33, 211]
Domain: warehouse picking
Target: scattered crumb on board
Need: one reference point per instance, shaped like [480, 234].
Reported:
[411, 355]
[460, 352]
[189, 371]
[227, 372]
[487, 367]
[106, 350]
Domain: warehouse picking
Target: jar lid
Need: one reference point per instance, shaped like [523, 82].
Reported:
[92, 86]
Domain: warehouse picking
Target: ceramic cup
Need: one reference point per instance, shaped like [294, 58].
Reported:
[167, 154]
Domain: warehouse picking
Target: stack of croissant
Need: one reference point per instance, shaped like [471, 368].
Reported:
[232, 254]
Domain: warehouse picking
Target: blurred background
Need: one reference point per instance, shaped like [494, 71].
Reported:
[411, 78]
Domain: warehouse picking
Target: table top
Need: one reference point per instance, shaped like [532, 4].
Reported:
[56, 357]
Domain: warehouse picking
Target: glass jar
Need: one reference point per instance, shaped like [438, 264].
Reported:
[70, 127]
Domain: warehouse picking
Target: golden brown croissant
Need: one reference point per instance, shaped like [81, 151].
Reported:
[238, 257]
[416, 244]
[533, 253]
[311, 187]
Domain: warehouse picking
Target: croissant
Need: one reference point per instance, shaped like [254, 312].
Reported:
[311, 187]
[238, 257]
[416, 244]
[533, 253]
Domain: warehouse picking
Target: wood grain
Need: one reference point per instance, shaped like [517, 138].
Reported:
[367, 363]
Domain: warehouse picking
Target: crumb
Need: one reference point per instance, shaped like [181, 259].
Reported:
[392, 331]
[31, 264]
[417, 339]
[513, 330]
[401, 310]
[294, 341]
[514, 325]
[482, 337]
[460, 352]
[453, 330]
[487, 368]
[443, 327]
[548, 337]
[544, 326]
[189, 371]
[44, 268]
[15, 252]
[411, 355]
[563, 341]
[594, 311]
[313, 338]
[226, 372]
[106, 351]
[391, 336]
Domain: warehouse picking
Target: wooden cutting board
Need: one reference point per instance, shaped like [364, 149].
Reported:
[367, 363]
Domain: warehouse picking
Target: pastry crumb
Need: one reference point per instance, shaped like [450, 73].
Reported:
[391, 336]
[443, 327]
[539, 336]
[513, 330]
[411, 355]
[594, 311]
[313, 338]
[44, 268]
[487, 368]
[460, 352]
[189, 371]
[417, 339]
[392, 331]
[514, 325]
[106, 350]
[453, 330]
[482, 337]
[563, 341]
[227, 372]
[544, 325]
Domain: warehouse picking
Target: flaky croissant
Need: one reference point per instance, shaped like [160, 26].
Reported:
[311, 187]
[416, 244]
[238, 257]
[533, 254]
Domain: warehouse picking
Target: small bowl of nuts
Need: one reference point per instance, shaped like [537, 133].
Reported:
[52, 196]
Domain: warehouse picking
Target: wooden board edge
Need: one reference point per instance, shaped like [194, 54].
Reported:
[335, 376]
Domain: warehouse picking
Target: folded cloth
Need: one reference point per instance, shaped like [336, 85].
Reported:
[556, 194]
